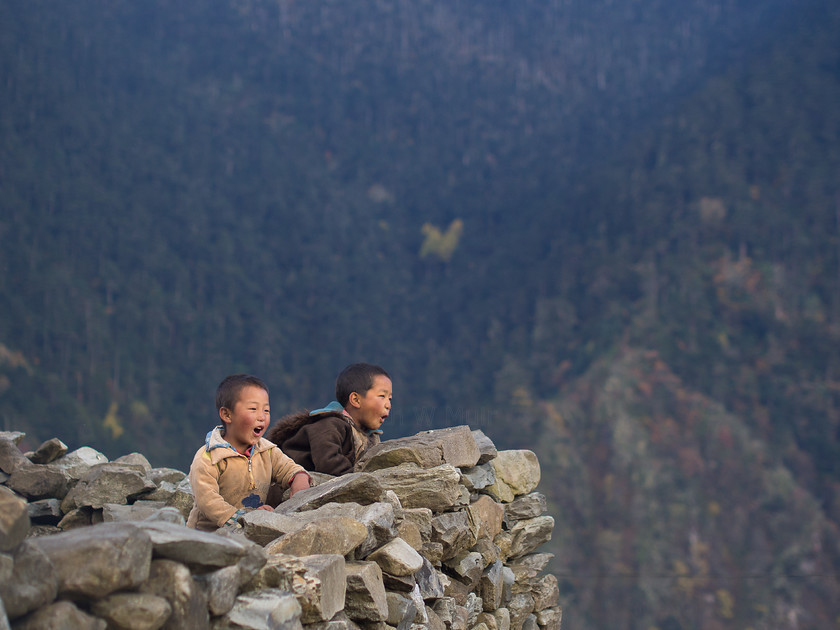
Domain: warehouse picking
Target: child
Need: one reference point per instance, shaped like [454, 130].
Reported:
[234, 469]
[331, 440]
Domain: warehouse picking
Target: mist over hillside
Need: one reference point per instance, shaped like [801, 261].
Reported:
[492, 200]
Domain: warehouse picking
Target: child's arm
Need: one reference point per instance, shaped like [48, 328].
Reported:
[204, 479]
[286, 470]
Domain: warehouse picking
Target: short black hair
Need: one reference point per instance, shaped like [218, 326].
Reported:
[358, 378]
[227, 393]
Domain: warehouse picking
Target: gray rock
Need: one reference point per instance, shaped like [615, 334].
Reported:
[433, 551]
[169, 475]
[79, 517]
[399, 584]
[11, 457]
[455, 531]
[333, 535]
[404, 609]
[188, 602]
[550, 618]
[135, 459]
[32, 583]
[318, 582]
[488, 620]
[508, 580]
[61, 614]
[488, 550]
[391, 497]
[39, 481]
[96, 561]
[397, 558]
[14, 520]
[454, 445]
[410, 533]
[529, 534]
[362, 488]
[339, 622]
[178, 495]
[468, 565]
[530, 622]
[45, 511]
[546, 593]
[444, 608]
[428, 581]
[7, 565]
[520, 606]
[271, 609]
[485, 446]
[536, 561]
[13, 436]
[436, 488]
[48, 451]
[422, 518]
[141, 511]
[133, 611]
[517, 473]
[108, 483]
[478, 477]
[43, 530]
[487, 515]
[365, 599]
[378, 518]
[77, 463]
[491, 586]
[502, 616]
[460, 619]
[262, 526]
[525, 507]
[192, 547]
[434, 621]
[474, 606]
[220, 588]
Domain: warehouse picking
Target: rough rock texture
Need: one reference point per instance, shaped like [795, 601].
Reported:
[439, 530]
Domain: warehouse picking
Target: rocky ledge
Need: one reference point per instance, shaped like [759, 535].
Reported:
[438, 530]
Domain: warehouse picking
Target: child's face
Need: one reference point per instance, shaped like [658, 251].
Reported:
[249, 418]
[370, 409]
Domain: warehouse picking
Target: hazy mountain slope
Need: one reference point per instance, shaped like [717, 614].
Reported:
[672, 514]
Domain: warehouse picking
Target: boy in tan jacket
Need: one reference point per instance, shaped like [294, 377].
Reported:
[232, 473]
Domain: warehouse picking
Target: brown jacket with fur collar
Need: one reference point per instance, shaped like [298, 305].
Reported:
[326, 442]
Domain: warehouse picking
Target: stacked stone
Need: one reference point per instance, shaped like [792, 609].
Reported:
[437, 530]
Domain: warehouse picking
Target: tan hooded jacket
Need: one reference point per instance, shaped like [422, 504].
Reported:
[222, 479]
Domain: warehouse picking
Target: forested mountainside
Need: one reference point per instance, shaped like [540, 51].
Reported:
[499, 202]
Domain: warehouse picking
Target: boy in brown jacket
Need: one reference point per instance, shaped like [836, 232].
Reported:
[331, 440]
[235, 468]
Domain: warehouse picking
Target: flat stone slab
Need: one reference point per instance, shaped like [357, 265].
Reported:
[96, 561]
[108, 483]
[397, 557]
[191, 546]
[435, 488]
[453, 445]
[271, 609]
[362, 488]
[333, 535]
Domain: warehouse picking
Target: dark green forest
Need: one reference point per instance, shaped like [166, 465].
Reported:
[607, 232]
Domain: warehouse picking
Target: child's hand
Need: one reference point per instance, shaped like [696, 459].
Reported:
[300, 482]
[266, 507]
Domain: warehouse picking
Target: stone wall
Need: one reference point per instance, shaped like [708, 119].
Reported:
[437, 530]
